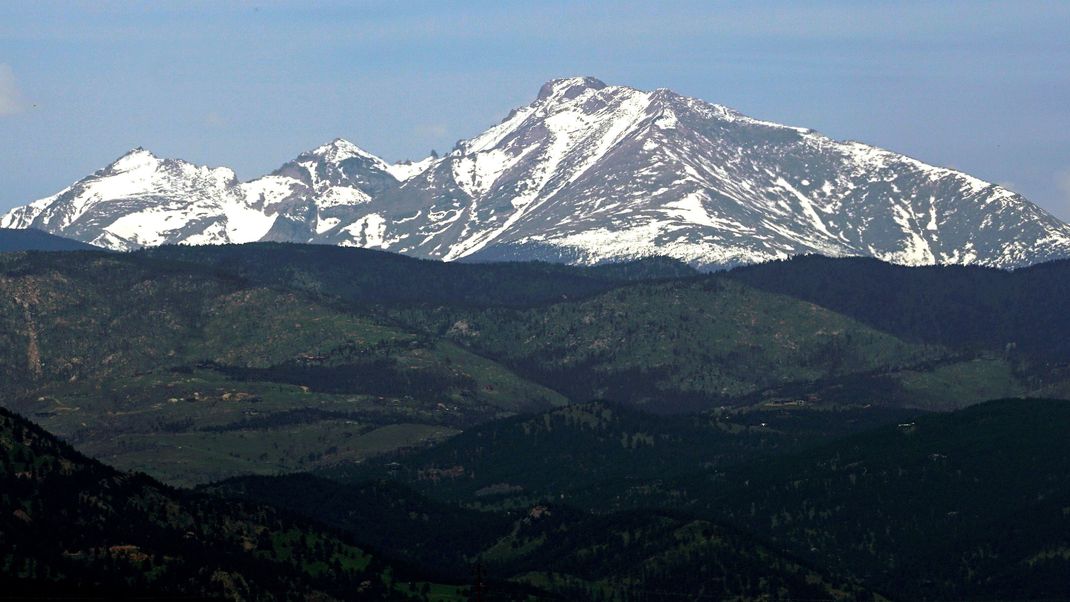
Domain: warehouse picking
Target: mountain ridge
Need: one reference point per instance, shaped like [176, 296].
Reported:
[587, 173]
[30, 239]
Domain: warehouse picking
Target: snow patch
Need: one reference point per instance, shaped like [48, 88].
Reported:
[342, 196]
[403, 172]
[806, 205]
[367, 231]
[691, 209]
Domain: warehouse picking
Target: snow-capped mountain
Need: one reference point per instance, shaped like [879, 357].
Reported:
[590, 173]
[321, 189]
[586, 173]
[142, 200]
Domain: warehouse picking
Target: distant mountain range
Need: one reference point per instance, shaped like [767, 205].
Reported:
[587, 173]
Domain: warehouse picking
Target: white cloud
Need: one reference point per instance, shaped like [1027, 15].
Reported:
[10, 98]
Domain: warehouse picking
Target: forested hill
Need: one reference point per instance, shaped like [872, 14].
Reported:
[949, 305]
[72, 526]
[966, 505]
[973, 504]
[957, 306]
[264, 358]
[12, 240]
[789, 430]
[366, 276]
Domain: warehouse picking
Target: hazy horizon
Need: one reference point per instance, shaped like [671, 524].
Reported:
[977, 86]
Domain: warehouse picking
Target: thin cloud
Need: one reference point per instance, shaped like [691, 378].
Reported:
[10, 97]
[215, 120]
[1062, 181]
[437, 130]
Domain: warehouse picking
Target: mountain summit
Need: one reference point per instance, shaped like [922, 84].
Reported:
[587, 173]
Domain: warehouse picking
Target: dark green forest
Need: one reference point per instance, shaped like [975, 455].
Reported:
[305, 422]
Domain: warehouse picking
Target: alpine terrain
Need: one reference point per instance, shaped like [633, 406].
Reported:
[587, 173]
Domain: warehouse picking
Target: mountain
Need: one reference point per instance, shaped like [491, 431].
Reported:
[12, 240]
[322, 189]
[590, 173]
[142, 200]
[587, 173]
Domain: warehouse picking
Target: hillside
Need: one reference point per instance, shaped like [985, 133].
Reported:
[695, 344]
[208, 376]
[13, 240]
[749, 428]
[1020, 311]
[967, 505]
[602, 455]
[367, 277]
[973, 504]
[267, 358]
[72, 526]
[439, 537]
[574, 555]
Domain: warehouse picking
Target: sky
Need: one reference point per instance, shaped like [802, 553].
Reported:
[979, 86]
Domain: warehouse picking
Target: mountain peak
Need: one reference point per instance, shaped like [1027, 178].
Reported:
[135, 158]
[340, 149]
[570, 87]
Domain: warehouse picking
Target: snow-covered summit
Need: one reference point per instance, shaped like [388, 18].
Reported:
[569, 87]
[590, 172]
[139, 200]
[137, 158]
[339, 150]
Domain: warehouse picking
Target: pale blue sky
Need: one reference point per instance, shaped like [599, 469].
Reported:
[980, 86]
